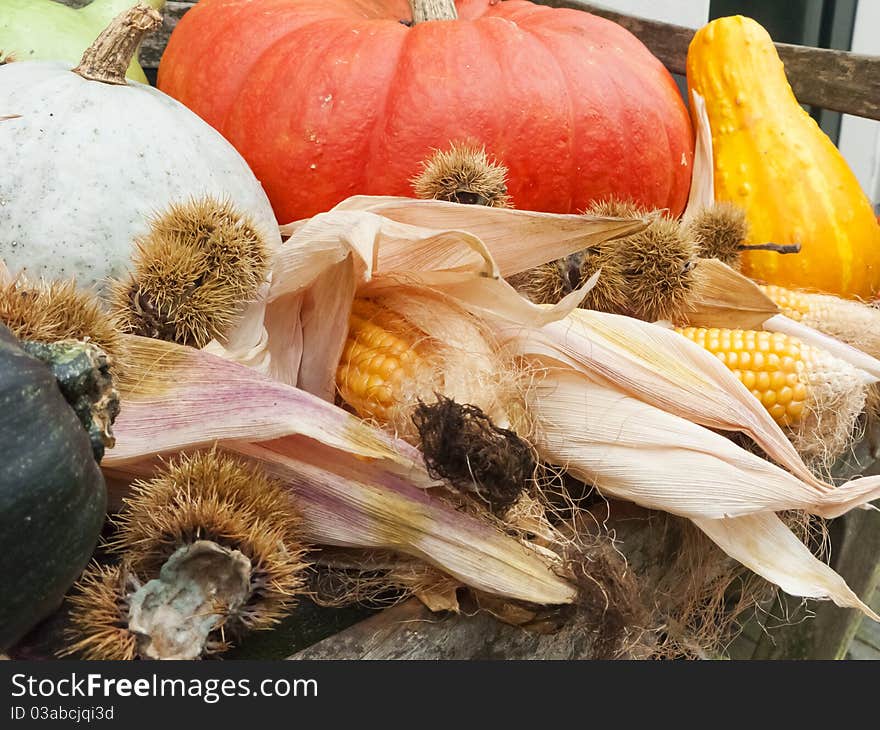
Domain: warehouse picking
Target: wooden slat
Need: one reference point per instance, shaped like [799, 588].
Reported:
[154, 44]
[836, 80]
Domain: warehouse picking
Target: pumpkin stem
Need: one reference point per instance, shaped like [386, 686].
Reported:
[83, 374]
[780, 248]
[425, 10]
[108, 58]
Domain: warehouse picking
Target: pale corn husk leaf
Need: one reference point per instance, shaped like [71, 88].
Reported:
[868, 366]
[344, 506]
[5, 275]
[661, 368]
[177, 398]
[318, 270]
[725, 298]
[491, 299]
[634, 451]
[518, 239]
[355, 486]
[766, 546]
[702, 193]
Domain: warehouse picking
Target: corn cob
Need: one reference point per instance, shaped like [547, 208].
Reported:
[814, 395]
[380, 361]
[853, 322]
[767, 363]
[405, 349]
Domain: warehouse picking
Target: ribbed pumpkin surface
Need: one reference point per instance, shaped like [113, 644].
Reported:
[329, 98]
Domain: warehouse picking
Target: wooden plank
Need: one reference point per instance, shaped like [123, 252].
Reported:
[410, 631]
[863, 652]
[154, 44]
[830, 79]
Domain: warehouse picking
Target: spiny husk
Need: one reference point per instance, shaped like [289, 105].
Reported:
[648, 275]
[212, 496]
[655, 267]
[193, 273]
[98, 628]
[463, 174]
[719, 231]
[47, 311]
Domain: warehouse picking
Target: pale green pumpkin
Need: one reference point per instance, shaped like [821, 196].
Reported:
[45, 30]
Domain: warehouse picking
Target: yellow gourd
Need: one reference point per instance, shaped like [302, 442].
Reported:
[772, 159]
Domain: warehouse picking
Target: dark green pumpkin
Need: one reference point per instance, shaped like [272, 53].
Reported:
[53, 498]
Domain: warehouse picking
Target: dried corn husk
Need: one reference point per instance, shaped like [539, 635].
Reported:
[725, 298]
[634, 451]
[702, 193]
[656, 365]
[660, 379]
[354, 485]
[297, 333]
[764, 544]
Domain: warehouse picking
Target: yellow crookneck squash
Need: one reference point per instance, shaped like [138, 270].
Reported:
[772, 159]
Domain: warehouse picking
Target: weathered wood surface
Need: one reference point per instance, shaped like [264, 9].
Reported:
[866, 644]
[410, 631]
[829, 79]
[835, 80]
[154, 44]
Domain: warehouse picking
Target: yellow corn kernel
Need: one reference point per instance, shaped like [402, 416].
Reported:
[769, 364]
[794, 304]
[380, 356]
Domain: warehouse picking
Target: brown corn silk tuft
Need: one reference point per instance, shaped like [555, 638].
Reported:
[464, 173]
[461, 445]
[193, 273]
[46, 311]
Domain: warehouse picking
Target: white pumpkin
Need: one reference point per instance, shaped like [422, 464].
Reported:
[86, 163]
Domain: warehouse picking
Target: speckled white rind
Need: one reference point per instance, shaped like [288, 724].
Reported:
[87, 164]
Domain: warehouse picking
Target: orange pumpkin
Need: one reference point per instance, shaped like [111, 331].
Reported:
[329, 98]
